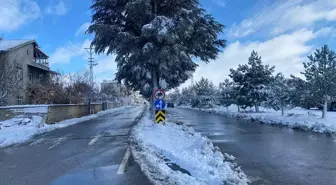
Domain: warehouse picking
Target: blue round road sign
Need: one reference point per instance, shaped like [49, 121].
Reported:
[160, 104]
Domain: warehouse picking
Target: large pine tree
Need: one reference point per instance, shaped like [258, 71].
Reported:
[252, 80]
[154, 38]
[320, 73]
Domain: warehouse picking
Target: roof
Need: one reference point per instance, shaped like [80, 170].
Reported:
[38, 53]
[6, 45]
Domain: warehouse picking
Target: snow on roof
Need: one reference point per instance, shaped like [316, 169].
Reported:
[9, 44]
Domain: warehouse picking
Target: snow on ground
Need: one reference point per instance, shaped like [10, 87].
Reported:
[176, 154]
[296, 118]
[20, 129]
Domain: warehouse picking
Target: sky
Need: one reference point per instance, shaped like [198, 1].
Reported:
[283, 32]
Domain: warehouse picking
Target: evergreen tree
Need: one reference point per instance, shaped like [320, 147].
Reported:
[252, 80]
[280, 94]
[174, 97]
[300, 94]
[155, 39]
[188, 96]
[205, 94]
[227, 93]
[320, 73]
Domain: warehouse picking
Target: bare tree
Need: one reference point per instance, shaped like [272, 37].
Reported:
[10, 78]
[79, 87]
[51, 92]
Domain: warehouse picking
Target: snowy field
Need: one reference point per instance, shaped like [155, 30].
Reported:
[174, 154]
[296, 118]
[22, 128]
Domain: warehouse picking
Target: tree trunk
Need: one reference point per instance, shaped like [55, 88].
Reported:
[325, 108]
[256, 108]
[155, 80]
[282, 111]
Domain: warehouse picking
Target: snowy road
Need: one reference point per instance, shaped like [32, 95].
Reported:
[92, 152]
[268, 155]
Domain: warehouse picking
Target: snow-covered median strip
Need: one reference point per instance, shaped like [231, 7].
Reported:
[13, 133]
[176, 154]
[296, 118]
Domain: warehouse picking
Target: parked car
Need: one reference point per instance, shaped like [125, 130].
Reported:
[170, 105]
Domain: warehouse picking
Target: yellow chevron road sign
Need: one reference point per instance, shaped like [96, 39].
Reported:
[160, 116]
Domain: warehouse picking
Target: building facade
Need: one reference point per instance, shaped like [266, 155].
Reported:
[31, 65]
[109, 84]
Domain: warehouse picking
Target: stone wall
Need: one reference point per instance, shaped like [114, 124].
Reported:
[13, 111]
[97, 108]
[55, 113]
[6, 114]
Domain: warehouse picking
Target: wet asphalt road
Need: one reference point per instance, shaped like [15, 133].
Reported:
[88, 153]
[268, 155]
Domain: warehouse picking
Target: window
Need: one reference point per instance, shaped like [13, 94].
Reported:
[19, 100]
[19, 73]
[30, 78]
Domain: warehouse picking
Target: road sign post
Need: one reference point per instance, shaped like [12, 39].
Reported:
[159, 106]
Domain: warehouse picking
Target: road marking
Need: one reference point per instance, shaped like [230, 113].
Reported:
[58, 141]
[94, 140]
[222, 140]
[123, 163]
[237, 128]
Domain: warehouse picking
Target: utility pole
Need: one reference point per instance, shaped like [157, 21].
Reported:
[91, 64]
[70, 89]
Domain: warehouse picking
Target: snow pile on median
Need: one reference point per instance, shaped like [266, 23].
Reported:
[296, 118]
[174, 154]
[21, 128]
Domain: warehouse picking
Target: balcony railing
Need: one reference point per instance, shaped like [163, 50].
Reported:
[42, 61]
